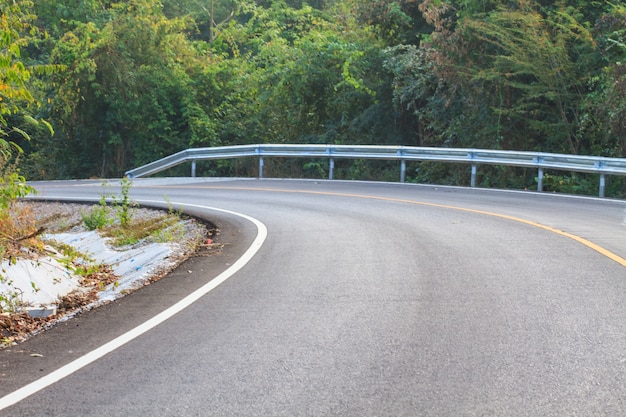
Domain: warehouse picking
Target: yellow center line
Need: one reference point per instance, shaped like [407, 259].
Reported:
[574, 237]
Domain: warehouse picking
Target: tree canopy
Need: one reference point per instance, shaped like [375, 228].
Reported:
[142, 79]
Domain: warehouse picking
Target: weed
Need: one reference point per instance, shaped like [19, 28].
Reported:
[139, 230]
[10, 300]
[172, 233]
[97, 218]
[71, 255]
[123, 203]
[170, 208]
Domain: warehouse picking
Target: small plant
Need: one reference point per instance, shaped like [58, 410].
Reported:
[170, 208]
[70, 254]
[88, 270]
[123, 203]
[12, 187]
[11, 300]
[98, 217]
[175, 231]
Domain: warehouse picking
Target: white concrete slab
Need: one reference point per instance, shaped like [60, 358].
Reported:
[40, 282]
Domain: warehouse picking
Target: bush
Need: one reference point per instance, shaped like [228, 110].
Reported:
[97, 217]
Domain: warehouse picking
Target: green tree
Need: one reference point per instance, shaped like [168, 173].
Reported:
[394, 21]
[531, 69]
[606, 101]
[60, 16]
[16, 100]
[414, 85]
[307, 78]
[207, 16]
[127, 98]
[15, 95]
[514, 77]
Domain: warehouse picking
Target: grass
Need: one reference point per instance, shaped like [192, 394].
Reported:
[162, 229]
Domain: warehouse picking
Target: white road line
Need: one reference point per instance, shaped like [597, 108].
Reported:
[118, 342]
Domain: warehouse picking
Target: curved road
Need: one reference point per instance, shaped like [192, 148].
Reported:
[363, 300]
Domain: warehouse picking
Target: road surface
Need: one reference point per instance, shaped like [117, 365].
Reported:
[362, 299]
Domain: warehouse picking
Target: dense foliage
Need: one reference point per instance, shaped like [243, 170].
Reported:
[146, 78]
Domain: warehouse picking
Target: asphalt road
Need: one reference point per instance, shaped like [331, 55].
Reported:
[363, 300]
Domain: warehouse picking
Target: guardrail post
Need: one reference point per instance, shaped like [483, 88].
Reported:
[599, 165]
[260, 167]
[193, 169]
[602, 184]
[402, 170]
[473, 180]
[331, 168]
[540, 180]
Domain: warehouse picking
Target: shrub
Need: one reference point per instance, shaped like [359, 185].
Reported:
[96, 218]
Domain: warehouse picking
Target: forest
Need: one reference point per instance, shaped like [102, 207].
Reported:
[92, 88]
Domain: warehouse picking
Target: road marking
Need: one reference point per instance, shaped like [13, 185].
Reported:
[118, 342]
[581, 240]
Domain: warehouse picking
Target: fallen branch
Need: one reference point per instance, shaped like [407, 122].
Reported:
[29, 236]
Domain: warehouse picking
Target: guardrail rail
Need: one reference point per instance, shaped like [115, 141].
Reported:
[574, 163]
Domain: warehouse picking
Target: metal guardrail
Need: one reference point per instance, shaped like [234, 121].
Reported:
[475, 157]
